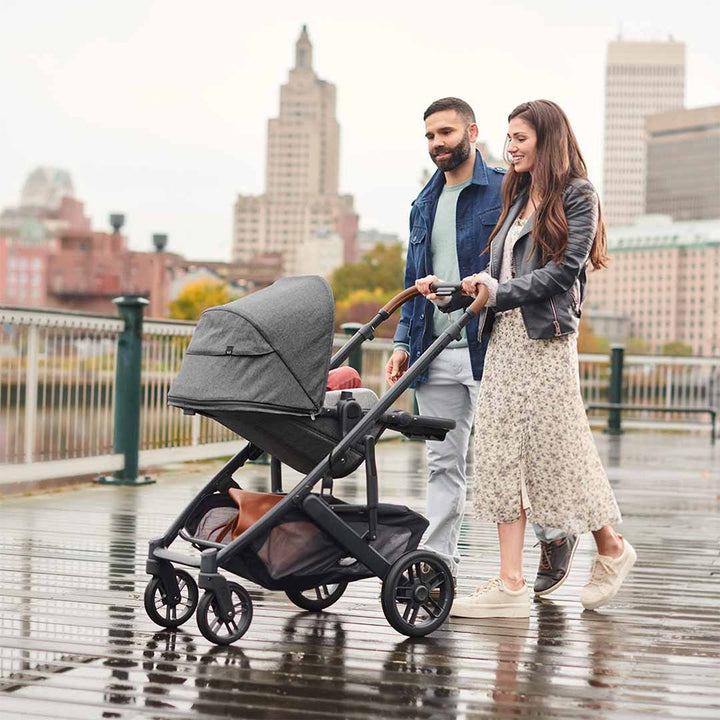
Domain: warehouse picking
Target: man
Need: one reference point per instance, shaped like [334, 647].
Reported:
[450, 224]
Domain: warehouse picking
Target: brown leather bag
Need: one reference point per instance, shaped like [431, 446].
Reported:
[251, 507]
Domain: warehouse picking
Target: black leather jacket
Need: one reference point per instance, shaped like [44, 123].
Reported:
[549, 295]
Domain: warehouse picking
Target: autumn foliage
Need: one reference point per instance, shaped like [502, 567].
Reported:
[198, 296]
[362, 288]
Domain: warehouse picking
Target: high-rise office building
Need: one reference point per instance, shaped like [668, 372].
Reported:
[301, 207]
[641, 78]
[683, 163]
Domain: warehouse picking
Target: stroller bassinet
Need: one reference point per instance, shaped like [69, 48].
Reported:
[259, 366]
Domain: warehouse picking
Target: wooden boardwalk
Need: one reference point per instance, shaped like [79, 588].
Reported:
[75, 641]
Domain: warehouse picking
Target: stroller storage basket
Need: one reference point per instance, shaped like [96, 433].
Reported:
[295, 554]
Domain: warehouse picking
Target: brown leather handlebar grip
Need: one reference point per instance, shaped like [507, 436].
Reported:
[479, 302]
[400, 299]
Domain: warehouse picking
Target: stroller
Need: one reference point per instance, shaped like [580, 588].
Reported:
[259, 366]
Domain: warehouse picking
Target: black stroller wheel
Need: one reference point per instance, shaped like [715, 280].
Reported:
[317, 598]
[417, 593]
[159, 607]
[217, 630]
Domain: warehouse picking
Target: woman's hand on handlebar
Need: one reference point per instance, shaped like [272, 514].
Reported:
[470, 285]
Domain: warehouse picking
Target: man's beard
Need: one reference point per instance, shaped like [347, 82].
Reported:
[458, 155]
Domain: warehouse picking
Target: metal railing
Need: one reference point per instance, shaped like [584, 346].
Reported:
[163, 426]
[375, 355]
[57, 385]
[653, 380]
[58, 375]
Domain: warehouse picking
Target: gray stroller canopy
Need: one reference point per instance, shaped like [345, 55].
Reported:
[269, 351]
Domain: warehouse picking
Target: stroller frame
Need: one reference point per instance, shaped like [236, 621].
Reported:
[169, 584]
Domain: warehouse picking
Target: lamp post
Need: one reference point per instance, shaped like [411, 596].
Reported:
[128, 392]
[355, 358]
[617, 355]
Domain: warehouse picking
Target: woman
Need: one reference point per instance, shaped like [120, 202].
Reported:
[534, 452]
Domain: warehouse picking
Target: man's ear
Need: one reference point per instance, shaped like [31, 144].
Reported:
[473, 132]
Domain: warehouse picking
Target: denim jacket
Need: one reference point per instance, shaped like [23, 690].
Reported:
[477, 212]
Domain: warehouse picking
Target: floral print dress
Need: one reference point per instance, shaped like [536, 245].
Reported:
[533, 444]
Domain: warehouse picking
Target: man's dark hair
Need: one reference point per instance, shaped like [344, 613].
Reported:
[451, 103]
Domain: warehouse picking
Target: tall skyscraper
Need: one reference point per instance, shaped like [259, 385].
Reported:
[683, 163]
[301, 209]
[641, 78]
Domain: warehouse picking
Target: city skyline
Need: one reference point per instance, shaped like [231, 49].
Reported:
[165, 123]
[300, 214]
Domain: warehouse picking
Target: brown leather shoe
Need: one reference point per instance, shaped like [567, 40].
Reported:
[555, 562]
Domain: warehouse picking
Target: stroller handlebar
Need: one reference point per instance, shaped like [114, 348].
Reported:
[400, 299]
[440, 289]
[446, 289]
[367, 332]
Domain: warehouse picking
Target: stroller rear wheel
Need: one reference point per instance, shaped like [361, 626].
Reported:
[214, 627]
[417, 593]
[317, 598]
[162, 610]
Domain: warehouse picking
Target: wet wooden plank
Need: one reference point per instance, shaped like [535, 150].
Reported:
[75, 641]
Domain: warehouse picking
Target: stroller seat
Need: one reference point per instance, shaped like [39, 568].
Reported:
[300, 441]
[364, 396]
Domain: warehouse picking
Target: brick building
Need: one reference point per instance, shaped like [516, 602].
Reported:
[664, 277]
[51, 257]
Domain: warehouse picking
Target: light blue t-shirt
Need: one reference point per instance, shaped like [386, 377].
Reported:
[443, 245]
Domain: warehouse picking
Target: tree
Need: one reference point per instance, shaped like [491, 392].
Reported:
[197, 296]
[380, 269]
[362, 306]
[637, 346]
[676, 347]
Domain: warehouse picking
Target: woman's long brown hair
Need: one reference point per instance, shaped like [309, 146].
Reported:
[558, 160]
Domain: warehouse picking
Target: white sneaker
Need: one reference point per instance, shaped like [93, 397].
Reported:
[606, 577]
[493, 600]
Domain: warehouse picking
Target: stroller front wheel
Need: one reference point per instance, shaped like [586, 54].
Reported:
[160, 607]
[317, 598]
[417, 593]
[211, 623]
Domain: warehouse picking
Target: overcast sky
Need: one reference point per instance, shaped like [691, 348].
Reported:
[159, 108]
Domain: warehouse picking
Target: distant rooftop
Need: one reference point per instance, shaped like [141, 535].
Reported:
[644, 52]
[45, 187]
[661, 231]
[684, 120]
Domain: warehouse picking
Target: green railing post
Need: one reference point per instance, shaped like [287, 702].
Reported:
[355, 358]
[614, 424]
[128, 392]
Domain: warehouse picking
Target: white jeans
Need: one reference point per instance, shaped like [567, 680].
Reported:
[452, 392]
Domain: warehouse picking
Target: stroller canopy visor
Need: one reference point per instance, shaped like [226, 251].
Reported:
[268, 351]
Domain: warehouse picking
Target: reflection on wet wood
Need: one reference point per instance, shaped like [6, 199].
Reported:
[75, 641]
